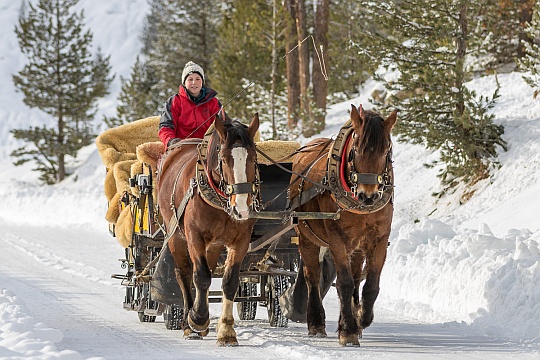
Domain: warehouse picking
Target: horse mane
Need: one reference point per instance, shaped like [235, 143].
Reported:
[372, 137]
[236, 131]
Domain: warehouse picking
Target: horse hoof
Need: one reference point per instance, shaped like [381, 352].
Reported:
[192, 335]
[351, 340]
[227, 342]
[318, 333]
[202, 329]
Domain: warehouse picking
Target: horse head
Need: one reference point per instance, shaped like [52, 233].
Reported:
[369, 154]
[236, 166]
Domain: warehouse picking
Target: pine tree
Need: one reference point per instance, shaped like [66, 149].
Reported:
[187, 32]
[175, 32]
[430, 43]
[502, 22]
[244, 60]
[149, 33]
[531, 60]
[63, 80]
[135, 99]
[306, 33]
[348, 67]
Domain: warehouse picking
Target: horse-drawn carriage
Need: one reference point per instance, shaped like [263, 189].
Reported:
[246, 235]
[272, 259]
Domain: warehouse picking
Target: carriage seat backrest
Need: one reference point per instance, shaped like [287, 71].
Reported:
[278, 150]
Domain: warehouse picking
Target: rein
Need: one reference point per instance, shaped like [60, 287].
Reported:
[322, 66]
[298, 175]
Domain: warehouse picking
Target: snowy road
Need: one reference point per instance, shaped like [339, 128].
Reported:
[63, 277]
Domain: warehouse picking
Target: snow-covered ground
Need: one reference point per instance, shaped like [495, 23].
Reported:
[459, 282]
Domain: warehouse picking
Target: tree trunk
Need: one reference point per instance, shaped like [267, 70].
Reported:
[274, 72]
[293, 81]
[303, 63]
[320, 84]
[61, 170]
[461, 51]
[525, 17]
[61, 173]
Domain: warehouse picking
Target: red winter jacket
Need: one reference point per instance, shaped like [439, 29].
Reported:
[182, 117]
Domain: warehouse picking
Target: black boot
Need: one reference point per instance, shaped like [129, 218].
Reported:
[163, 286]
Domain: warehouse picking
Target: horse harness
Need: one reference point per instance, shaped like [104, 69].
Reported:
[218, 195]
[334, 181]
[345, 195]
[215, 195]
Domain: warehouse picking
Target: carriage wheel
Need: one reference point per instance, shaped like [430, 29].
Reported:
[144, 293]
[247, 309]
[277, 285]
[173, 317]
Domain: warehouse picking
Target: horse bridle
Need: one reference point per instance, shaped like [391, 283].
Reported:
[225, 190]
[383, 180]
[238, 188]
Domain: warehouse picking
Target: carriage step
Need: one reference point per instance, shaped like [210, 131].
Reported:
[119, 276]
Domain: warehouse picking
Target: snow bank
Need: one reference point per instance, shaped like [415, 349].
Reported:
[22, 338]
[435, 274]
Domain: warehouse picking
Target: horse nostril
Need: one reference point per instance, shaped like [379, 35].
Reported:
[239, 215]
[366, 199]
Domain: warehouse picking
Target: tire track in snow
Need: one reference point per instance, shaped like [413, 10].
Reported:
[40, 254]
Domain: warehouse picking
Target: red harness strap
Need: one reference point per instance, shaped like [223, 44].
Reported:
[342, 178]
[209, 175]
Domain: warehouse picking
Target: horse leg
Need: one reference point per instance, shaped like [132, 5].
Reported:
[370, 291]
[199, 316]
[316, 318]
[357, 259]
[183, 272]
[347, 326]
[226, 336]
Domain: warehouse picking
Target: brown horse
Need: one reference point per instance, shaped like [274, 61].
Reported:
[209, 197]
[361, 191]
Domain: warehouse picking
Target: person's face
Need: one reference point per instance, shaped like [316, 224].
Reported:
[194, 84]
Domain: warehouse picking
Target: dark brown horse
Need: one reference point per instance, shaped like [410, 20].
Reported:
[361, 190]
[221, 188]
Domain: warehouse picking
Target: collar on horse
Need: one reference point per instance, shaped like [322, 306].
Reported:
[218, 195]
[343, 189]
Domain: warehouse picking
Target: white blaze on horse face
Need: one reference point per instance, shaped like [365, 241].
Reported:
[240, 176]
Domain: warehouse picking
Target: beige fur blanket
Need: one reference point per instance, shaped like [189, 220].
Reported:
[120, 143]
[118, 149]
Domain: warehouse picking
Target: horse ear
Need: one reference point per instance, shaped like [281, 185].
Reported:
[361, 112]
[223, 115]
[357, 120]
[390, 121]
[254, 125]
[220, 128]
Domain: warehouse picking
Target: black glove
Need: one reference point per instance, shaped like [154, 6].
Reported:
[172, 142]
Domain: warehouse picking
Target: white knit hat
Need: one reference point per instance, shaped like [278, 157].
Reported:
[191, 68]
